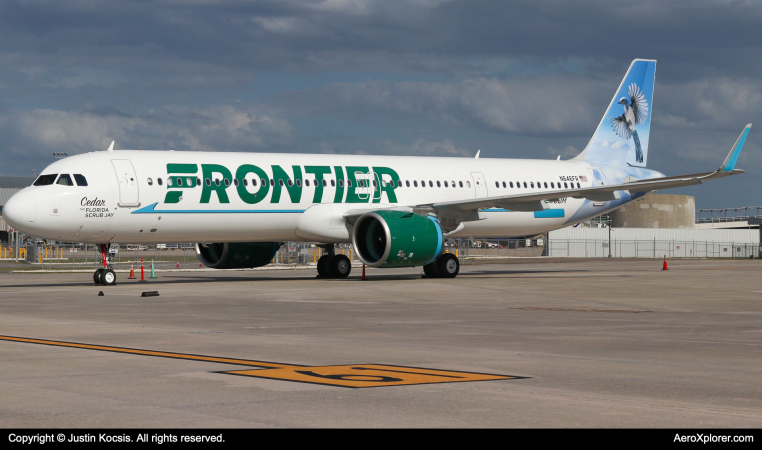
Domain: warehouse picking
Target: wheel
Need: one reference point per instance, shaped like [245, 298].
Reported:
[339, 266]
[97, 276]
[447, 265]
[108, 277]
[322, 266]
[428, 270]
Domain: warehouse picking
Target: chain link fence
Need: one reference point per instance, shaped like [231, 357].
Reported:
[584, 248]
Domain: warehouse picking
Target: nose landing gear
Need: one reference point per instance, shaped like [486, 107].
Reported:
[105, 276]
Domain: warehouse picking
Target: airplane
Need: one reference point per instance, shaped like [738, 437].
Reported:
[397, 211]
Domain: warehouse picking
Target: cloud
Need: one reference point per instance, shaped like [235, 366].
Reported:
[420, 147]
[550, 104]
[37, 133]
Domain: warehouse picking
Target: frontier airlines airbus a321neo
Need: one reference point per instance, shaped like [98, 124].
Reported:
[396, 210]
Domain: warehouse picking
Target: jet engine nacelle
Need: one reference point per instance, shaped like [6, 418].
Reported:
[396, 239]
[236, 255]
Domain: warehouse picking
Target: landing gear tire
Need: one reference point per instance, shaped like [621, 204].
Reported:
[97, 276]
[322, 266]
[447, 266]
[339, 266]
[108, 277]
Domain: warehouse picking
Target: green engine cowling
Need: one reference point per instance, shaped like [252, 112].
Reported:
[396, 239]
[236, 255]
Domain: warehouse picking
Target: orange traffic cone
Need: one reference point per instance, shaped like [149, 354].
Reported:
[665, 263]
[132, 271]
[200, 265]
[178, 264]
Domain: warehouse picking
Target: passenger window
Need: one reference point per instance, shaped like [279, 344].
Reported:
[438, 185]
[81, 181]
[190, 182]
[341, 183]
[511, 184]
[349, 183]
[150, 181]
[565, 186]
[551, 185]
[333, 183]
[65, 180]
[299, 183]
[375, 184]
[578, 185]
[208, 182]
[306, 183]
[245, 182]
[497, 184]
[445, 183]
[546, 185]
[217, 181]
[453, 183]
[461, 183]
[290, 183]
[468, 184]
[169, 182]
[531, 184]
[44, 180]
[272, 182]
[198, 181]
[159, 182]
[235, 181]
[407, 183]
[415, 183]
[179, 181]
[227, 182]
[431, 184]
[391, 183]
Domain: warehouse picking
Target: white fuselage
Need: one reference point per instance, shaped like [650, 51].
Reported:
[128, 198]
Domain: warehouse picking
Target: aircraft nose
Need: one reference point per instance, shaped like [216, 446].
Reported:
[20, 210]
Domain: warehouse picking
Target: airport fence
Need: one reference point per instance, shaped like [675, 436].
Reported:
[619, 248]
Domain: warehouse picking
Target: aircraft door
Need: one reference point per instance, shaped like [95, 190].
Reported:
[128, 182]
[480, 184]
[364, 188]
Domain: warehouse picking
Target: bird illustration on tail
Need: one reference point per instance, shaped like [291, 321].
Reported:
[635, 113]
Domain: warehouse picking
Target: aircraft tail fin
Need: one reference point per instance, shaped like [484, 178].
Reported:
[623, 134]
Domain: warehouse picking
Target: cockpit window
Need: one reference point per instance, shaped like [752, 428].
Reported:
[44, 180]
[80, 179]
[65, 180]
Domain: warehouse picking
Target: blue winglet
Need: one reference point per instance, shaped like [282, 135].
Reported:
[735, 152]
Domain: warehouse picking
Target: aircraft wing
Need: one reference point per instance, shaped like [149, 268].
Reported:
[454, 212]
[535, 201]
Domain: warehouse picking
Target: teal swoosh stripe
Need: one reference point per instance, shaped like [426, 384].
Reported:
[549, 213]
[151, 209]
[545, 214]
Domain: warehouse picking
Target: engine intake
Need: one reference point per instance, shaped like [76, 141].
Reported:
[236, 255]
[396, 239]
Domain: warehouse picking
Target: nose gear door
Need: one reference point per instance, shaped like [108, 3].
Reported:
[128, 183]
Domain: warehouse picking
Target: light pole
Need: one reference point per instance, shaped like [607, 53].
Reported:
[609, 235]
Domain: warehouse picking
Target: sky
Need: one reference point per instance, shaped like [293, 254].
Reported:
[519, 79]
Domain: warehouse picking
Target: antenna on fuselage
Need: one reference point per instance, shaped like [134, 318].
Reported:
[477, 154]
[111, 147]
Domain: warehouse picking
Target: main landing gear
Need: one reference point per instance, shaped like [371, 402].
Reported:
[332, 265]
[105, 276]
[445, 266]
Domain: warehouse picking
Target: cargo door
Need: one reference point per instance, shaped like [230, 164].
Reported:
[128, 182]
